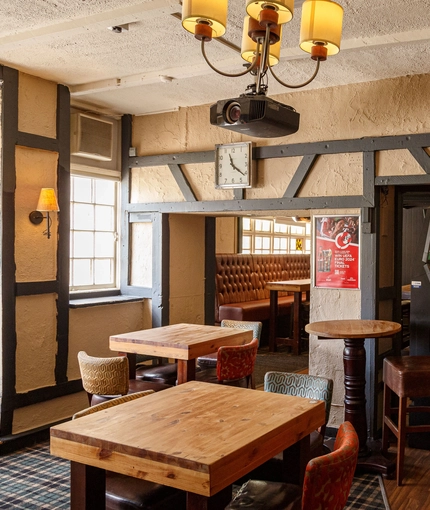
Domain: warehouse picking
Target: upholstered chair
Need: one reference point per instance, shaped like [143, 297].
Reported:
[297, 385]
[235, 366]
[327, 481]
[209, 360]
[129, 493]
[107, 378]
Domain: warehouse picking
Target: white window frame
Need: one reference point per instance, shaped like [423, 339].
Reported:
[115, 285]
[269, 234]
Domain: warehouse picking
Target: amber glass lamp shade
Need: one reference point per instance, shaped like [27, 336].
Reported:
[47, 200]
[249, 47]
[197, 14]
[321, 24]
[284, 8]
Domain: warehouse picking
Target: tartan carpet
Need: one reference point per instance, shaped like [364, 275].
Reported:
[31, 479]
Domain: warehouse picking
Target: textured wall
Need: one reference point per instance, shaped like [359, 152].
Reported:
[187, 252]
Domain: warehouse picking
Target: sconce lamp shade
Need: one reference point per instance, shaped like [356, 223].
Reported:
[321, 24]
[249, 47]
[201, 12]
[284, 8]
[47, 200]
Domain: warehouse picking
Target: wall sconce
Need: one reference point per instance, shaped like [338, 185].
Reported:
[47, 203]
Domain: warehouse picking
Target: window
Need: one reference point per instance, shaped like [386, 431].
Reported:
[261, 235]
[93, 233]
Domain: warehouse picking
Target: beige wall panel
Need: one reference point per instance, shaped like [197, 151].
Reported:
[273, 177]
[35, 254]
[226, 235]
[141, 260]
[90, 328]
[399, 162]
[187, 255]
[165, 133]
[37, 106]
[51, 411]
[36, 331]
[154, 184]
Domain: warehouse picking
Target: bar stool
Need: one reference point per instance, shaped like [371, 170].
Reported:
[408, 377]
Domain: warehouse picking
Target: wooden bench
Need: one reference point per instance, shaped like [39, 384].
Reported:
[241, 279]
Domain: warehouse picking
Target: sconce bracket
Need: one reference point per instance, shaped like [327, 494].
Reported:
[36, 217]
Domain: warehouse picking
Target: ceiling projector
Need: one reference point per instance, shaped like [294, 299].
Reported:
[257, 116]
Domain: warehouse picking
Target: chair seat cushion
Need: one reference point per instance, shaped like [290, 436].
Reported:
[126, 492]
[134, 386]
[261, 495]
[208, 361]
[166, 374]
[407, 376]
[258, 310]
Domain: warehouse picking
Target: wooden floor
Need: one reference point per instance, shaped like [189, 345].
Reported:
[414, 494]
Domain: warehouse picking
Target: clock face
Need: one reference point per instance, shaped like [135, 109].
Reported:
[233, 165]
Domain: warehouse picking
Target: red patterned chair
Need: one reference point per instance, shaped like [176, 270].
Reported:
[326, 485]
[235, 366]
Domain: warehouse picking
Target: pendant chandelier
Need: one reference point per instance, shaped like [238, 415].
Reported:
[320, 33]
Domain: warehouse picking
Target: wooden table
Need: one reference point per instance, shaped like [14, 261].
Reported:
[354, 332]
[183, 342]
[298, 287]
[197, 437]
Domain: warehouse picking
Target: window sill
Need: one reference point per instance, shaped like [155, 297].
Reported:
[107, 300]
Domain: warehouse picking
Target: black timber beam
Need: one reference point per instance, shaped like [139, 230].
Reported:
[182, 182]
[305, 166]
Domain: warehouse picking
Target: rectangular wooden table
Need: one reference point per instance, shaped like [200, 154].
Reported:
[298, 287]
[183, 342]
[197, 437]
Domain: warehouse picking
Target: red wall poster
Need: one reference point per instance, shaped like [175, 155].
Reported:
[337, 252]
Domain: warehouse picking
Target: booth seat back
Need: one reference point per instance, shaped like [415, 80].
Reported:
[241, 278]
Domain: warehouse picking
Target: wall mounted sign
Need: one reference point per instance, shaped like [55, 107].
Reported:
[337, 252]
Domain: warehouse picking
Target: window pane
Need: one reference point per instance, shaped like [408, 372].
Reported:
[83, 217]
[262, 225]
[81, 189]
[246, 242]
[82, 273]
[246, 223]
[83, 244]
[104, 243]
[103, 272]
[105, 192]
[104, 218]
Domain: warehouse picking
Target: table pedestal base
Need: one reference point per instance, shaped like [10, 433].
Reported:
[374, 461]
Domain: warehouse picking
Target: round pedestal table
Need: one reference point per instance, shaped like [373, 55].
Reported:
[354, 332]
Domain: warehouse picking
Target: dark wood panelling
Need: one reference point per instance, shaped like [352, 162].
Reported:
[31, 288]
[210, 269]
[63, 239]
[9, 138]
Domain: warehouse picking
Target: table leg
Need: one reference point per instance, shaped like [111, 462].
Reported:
[131, 363]
[354, 361]
[297, 322]
[219, 500]
[273, 320]
[295, 459]
[87, 487]
[186, 370]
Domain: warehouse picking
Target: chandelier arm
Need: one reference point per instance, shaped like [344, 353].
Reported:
[301, 84]
[228, 75]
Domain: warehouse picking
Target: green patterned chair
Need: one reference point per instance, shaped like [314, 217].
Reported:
[327, 482]
[210, 360]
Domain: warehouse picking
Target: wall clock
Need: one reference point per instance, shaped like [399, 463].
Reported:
[234, 165]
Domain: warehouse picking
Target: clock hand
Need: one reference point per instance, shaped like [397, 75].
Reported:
[234, 166]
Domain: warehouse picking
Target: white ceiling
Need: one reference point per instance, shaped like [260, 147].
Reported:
[156, 65]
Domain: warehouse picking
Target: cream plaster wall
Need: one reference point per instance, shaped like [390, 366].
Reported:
[226, 235]
[36, 330]
[91, 327]
[35, 254]
[51, 411]
[187, 252]
[37, 100]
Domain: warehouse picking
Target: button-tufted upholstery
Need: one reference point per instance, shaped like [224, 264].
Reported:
[240, 284]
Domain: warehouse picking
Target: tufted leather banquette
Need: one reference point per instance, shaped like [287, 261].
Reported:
[241, 279]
